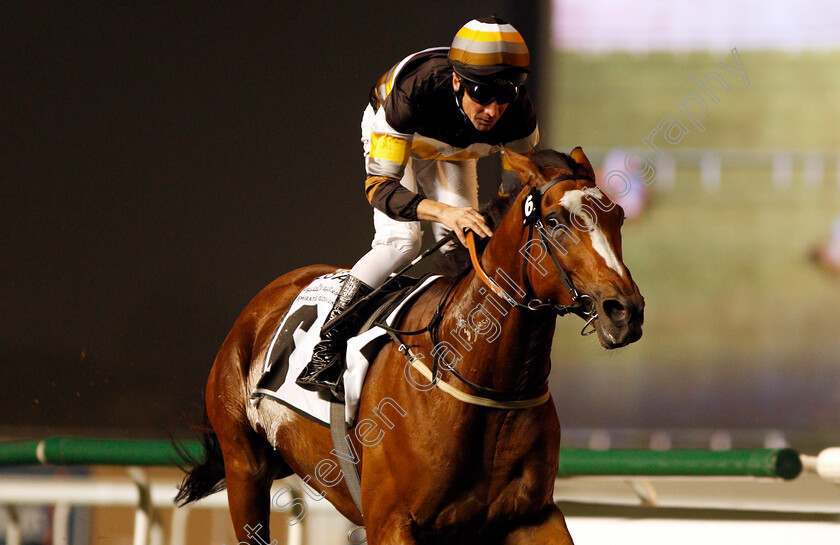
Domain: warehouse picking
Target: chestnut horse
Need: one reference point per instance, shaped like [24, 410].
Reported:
[437, 469]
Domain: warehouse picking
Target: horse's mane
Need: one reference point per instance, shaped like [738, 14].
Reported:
[457, 261]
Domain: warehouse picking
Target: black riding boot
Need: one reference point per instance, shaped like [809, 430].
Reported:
[327, 366]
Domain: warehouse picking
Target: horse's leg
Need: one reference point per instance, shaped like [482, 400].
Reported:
[550, 528]
[247, 456]
[249, 481]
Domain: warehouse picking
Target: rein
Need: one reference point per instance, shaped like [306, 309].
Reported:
[581, 306]
[496, 399]
[581, 303]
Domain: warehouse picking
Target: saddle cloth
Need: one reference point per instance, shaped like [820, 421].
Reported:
[295, 338]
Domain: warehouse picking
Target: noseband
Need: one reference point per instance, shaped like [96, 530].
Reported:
[582, 305]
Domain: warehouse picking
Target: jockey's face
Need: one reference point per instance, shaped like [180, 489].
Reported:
[482, 116]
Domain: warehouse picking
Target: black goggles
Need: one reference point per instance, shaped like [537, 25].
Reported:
[484, 94]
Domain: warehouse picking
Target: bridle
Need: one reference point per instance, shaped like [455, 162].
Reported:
[582, 304]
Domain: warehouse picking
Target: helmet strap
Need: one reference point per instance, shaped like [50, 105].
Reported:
[459, 99]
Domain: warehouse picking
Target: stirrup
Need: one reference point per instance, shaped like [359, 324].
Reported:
[338, 390]
[313, 381]
[312, 384]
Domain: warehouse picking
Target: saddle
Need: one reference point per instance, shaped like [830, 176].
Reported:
[382, 304]
[299, 330]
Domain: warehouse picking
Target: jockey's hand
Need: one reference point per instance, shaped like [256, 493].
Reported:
[456, 218]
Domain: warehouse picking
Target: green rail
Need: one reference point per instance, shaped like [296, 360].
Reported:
[774, 463]
[78, 451]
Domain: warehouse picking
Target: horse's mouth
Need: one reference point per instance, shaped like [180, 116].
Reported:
[619, 321]
[611, 339]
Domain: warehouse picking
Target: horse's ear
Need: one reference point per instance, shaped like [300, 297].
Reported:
[526, 169]
[581, 159]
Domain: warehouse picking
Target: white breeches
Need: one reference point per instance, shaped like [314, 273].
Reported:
[396, 243]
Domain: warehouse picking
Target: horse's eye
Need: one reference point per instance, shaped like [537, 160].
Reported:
[551, 222]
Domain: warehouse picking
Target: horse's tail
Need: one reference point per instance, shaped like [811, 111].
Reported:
[206, 475]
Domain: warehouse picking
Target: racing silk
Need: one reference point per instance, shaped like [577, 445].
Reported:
[418, 115]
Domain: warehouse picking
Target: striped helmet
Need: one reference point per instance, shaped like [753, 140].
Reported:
[490, 50]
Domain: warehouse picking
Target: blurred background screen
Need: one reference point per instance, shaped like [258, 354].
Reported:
[160, 165]
[716, 124]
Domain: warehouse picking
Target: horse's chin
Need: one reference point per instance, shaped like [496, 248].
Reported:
[612, 337]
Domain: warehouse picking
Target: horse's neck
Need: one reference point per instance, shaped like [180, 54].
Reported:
[509, 346]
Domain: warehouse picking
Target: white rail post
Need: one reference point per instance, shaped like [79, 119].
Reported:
[782, 170]
[178, 531]
[143, 514]
[295, 534]
[667, 179]
[813, 170]
[13, 532]
[61, 523]
[710, 165]
[156, 529]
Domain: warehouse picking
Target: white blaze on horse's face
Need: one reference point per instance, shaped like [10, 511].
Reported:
[573, 201]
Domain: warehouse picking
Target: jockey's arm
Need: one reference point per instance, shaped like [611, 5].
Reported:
[399, 203]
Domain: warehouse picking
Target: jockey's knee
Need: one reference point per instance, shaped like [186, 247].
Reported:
[403, 238]
[394, 246]
[384, 258]
[403, 250]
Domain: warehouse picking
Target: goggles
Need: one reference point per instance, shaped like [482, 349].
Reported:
[484, 94]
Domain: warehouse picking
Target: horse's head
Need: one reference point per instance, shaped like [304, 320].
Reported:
[571, 240]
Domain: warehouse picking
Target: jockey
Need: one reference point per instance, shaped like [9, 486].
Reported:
[430, 117]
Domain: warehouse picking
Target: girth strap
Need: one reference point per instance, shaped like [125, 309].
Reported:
[338, 431]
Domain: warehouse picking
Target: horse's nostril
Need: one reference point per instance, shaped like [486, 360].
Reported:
[615, 311]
